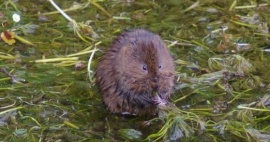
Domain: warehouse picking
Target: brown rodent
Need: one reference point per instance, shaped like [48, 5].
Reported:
[136, 73]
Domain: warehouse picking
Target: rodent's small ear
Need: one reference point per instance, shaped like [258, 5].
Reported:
[126, 50]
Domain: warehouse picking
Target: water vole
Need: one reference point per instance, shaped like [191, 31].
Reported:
[136, 73]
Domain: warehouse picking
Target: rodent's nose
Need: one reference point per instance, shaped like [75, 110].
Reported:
[155, 87]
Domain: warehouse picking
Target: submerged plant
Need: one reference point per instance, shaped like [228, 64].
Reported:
[178, 124]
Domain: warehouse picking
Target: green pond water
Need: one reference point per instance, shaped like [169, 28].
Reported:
[221, 51]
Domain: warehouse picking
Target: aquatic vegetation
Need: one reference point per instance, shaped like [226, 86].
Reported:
[49, 53]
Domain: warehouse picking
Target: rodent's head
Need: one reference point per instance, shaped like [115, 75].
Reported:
[145, 67]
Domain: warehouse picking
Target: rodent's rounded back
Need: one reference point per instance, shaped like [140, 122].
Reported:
[135, 71]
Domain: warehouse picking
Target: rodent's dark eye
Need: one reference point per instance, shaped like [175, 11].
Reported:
[144, 67]
[159, 66]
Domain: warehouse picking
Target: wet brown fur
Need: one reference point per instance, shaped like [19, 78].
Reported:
[137, 66]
